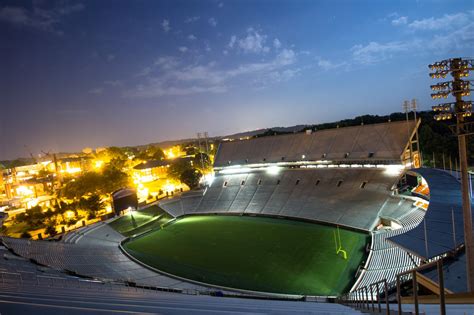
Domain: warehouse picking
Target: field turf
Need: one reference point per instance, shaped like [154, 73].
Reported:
[253, 253]
[141, 221]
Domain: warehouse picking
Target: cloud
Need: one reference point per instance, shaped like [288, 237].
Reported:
[208, 78]
[402, 20]
[375, 52]
[158, 89]
[253, 42]
[110, 57]
[183, 49]
[447, 21]
[453, 42]
[39, 18]
[96, 91]
[162, 63]
[276, 43]
[166, 26]
[144, 72]
[192, 19]
[166, 62]
[212, 22]
[220, 5]
[113, 82]
[329, 65]
[233, 40]
[207, 47]
[192, 37]
[457, 40]
[15, 15]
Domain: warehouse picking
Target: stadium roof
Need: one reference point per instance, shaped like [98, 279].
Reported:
[443, 235]
[386, 141]
[123, 192]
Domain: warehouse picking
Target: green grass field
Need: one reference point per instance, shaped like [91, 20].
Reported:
[253, 253]
[141, 221]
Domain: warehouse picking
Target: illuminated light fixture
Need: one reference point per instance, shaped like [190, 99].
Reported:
[98, 164]
[443, 116]
[169, 187]
[239, 170]
[208, 179]
[459, 68]
[393, 170]
[24, 191]
[273, 170]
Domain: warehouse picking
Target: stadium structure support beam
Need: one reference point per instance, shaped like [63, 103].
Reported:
[459, 88]
[466, 205]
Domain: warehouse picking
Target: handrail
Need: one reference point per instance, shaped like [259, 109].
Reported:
[356, 298]
[360, 298]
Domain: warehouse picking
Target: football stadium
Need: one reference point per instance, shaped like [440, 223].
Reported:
[287, 220]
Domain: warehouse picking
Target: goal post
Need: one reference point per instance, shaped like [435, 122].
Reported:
[337, 240]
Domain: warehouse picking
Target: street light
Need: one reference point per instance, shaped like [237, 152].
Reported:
[458, 68]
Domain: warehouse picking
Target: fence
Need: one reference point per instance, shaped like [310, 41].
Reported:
[366, 297]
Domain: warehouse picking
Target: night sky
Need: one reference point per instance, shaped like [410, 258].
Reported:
[101, 73]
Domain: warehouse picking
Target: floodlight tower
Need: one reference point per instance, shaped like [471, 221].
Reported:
[459, 88]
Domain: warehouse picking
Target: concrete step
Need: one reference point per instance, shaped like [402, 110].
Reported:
[53, 301]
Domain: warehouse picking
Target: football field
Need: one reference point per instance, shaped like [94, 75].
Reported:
[254, 253]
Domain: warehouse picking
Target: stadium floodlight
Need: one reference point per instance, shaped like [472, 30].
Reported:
[273, 170]
[458, 68]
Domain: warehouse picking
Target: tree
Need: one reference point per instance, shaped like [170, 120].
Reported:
[191, 177]
[113, 179]
[112, 153]
[89, 182]
[51, 230]
[178, 167]
[105, 182]
[155, 153]
[202, 162]
[92, 205]
[25, 235]
[191, 150]
[32, 217]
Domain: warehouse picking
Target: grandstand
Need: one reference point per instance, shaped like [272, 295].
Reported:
[385, 143]
[350, 197]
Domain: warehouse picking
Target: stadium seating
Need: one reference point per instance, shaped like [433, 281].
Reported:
[386, 259]
[352, 196]
[98, 298]
[95, 258]
[385, 141]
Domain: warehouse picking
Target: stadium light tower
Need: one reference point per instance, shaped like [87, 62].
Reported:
[459, 88]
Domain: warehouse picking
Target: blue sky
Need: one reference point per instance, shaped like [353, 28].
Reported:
[78, 74]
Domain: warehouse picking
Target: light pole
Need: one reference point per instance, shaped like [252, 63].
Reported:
[458, 68]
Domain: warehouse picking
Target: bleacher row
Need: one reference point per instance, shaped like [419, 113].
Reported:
[28, 288]
[10, 263]
[96, 261]
[384, 141]
[98, 298]
[350, 196]
[96, 234]
[73, 236]
[387, 260]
